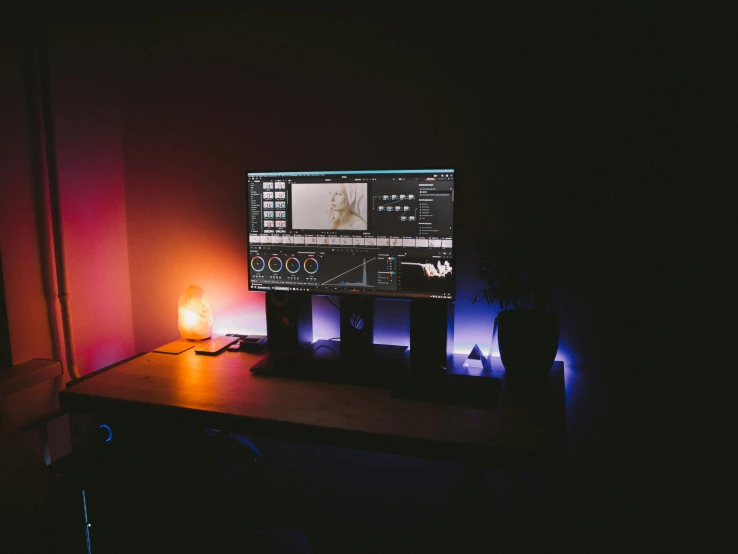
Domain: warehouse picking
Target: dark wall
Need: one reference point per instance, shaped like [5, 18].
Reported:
[208, 96]
[582, 126]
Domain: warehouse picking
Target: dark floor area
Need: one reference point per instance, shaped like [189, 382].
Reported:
[611, 495]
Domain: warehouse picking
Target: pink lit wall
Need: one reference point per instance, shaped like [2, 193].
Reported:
[89, 152]
[87, 125]
[185, 211]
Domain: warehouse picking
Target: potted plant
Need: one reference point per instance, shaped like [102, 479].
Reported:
[519, 275]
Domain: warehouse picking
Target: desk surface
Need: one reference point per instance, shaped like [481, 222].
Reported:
[221, 392]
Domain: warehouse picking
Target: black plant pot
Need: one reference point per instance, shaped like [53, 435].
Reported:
[528, 341]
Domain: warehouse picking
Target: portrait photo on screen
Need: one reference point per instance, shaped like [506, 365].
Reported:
[329, 206]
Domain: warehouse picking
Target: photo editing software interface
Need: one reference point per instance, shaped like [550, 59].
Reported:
[383, 233]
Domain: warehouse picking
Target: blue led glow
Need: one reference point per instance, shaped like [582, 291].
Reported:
[110, 432]
[473, 324]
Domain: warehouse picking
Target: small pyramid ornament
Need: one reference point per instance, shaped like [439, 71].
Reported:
[475, 359]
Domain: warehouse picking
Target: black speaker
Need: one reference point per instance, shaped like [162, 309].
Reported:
[289, 319]
[357, 329]
[431, 335]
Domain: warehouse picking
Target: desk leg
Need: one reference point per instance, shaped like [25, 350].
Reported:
[519, 491]
[471, 483]
[483, 535]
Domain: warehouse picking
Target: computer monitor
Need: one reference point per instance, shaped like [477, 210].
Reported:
[384, 233]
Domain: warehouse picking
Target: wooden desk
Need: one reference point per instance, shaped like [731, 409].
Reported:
[525, 429]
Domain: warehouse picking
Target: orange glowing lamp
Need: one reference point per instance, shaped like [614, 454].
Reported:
[195, 318]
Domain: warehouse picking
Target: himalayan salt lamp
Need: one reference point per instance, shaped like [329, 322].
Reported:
[194, 314]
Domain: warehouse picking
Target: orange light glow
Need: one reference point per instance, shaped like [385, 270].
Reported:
[190, 317]
[195, 317]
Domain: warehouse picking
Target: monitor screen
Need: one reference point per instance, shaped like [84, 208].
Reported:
[372, 232]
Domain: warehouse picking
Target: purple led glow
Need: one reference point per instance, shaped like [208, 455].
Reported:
[473, 324]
